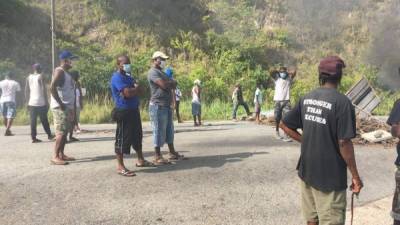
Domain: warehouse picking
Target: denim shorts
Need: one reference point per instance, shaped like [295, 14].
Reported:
[196, 109]
[8, 110]
[162, 123]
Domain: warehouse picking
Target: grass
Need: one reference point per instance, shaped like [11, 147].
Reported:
[95, 113]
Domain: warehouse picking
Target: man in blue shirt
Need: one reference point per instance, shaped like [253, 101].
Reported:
[125, 92]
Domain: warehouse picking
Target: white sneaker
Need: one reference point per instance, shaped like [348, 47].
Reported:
[278, 136]
[287, 140]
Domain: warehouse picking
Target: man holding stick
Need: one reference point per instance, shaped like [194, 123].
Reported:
[327, 119]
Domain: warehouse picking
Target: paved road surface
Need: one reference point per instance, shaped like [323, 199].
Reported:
[237, 174]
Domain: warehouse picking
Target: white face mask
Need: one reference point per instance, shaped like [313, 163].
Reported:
[163, 64]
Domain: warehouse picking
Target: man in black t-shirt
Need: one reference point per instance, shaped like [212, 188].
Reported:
[327, 120]
[237, 98]
[394, 121]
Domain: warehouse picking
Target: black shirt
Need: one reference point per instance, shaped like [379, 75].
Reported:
[325, 116]
[394, 118]
[239, 95]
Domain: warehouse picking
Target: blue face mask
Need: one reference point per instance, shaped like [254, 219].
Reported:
[283, 75]
[127, 68]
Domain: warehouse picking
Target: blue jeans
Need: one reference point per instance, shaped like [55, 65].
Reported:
[162, 123]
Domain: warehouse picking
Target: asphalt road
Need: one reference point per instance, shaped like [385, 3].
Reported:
[238, 173]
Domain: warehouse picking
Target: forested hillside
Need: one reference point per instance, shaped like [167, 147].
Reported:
[220, 42]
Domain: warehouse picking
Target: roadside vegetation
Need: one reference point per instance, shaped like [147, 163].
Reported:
[220, 42]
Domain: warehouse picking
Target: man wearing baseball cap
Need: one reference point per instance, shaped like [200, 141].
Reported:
[38, 104]
[63, 105]
[327, 120]
[161, 113]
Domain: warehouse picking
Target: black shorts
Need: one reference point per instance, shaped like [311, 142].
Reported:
[129, 131]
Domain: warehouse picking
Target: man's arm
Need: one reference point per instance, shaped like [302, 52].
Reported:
[27, 90]
[197, 91]
[130, 92]
[294, 134]
[166, 84]
[57, 81]
[395, 130]
[273, 74]
[292, 74]
[80, 95]
[347, 152]
[43, 83]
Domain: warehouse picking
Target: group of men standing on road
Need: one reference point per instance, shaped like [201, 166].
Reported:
[325, 117]
[283, 80]
[327, 120]
[126, 92]
[36, 100]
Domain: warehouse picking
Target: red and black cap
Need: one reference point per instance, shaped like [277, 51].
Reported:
[331, 65]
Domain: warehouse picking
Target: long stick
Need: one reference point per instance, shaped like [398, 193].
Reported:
[53, 35]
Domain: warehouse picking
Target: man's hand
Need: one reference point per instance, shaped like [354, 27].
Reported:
[62, 106]
[292, 73]
[356, 185]
[136, 90]
[174, 84]
[140, 89]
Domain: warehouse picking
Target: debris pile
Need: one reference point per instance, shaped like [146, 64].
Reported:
[373, 130]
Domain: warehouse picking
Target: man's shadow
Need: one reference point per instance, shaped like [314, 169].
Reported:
[210, 161]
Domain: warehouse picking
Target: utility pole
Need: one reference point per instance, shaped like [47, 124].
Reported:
[53, 35]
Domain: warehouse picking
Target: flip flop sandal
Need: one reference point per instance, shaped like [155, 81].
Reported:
[160, 162]
[66, 158]
[176, 156]
[126, 173]
[58, 163]
[145, 164]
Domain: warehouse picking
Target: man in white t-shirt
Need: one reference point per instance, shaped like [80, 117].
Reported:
[196, 103]
[258, 99]
[9, 88]
[283, 82]
[38, 104]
